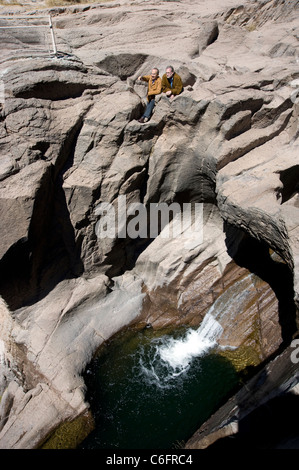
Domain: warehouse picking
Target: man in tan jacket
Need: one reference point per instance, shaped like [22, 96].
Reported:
[154, 88]
[172, 84]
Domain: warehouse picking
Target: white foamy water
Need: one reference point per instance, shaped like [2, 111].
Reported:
[172, 357]
[179, 352]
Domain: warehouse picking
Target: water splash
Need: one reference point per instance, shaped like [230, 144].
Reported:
[172, 357]
[179, 352]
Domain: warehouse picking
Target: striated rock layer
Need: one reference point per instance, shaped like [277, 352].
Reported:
[70, 141]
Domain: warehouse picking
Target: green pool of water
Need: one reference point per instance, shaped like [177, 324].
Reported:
[141, 402]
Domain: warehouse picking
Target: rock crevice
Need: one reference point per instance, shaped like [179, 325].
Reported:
[70, 141]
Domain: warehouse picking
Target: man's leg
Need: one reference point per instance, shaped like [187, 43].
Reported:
[149, 109]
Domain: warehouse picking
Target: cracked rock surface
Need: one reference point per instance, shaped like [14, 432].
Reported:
[70, 141]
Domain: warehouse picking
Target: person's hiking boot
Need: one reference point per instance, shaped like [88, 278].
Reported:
[143, 119]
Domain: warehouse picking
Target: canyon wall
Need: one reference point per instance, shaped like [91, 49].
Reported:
[71, 141]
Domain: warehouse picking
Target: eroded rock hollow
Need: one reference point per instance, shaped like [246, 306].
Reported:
[71, 141]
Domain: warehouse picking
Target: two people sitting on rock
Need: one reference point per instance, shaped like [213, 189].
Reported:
[171, 84]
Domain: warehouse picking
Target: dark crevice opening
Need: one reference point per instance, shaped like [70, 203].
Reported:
[290, 181]
[50, 253]
[255, 256]
[54, 91]
[272, 425]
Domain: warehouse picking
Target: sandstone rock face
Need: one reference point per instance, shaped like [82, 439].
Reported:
[71, 142]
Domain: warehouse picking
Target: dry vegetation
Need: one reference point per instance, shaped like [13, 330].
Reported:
[49, 3]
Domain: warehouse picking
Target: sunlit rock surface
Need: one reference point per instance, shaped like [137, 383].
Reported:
[70, 140]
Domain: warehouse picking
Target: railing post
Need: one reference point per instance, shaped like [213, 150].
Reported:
[52, 35]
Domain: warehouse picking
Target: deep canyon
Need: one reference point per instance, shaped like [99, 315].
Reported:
[70, 141]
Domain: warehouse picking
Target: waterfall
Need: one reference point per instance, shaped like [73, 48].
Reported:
[155, 388]
[179, 352]
[172, 356]
[228, 303]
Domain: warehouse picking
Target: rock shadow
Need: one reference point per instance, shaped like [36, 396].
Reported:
[31, 268]
[290, 181]
[50, 253]
[122, 65]
[272, 425]
[255, 256]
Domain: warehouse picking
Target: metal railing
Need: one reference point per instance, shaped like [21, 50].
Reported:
[18, 19]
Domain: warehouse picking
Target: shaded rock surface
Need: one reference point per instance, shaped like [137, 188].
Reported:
[262, 415]
[70, 141]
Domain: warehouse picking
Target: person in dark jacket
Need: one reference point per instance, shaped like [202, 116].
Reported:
[172, 84]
